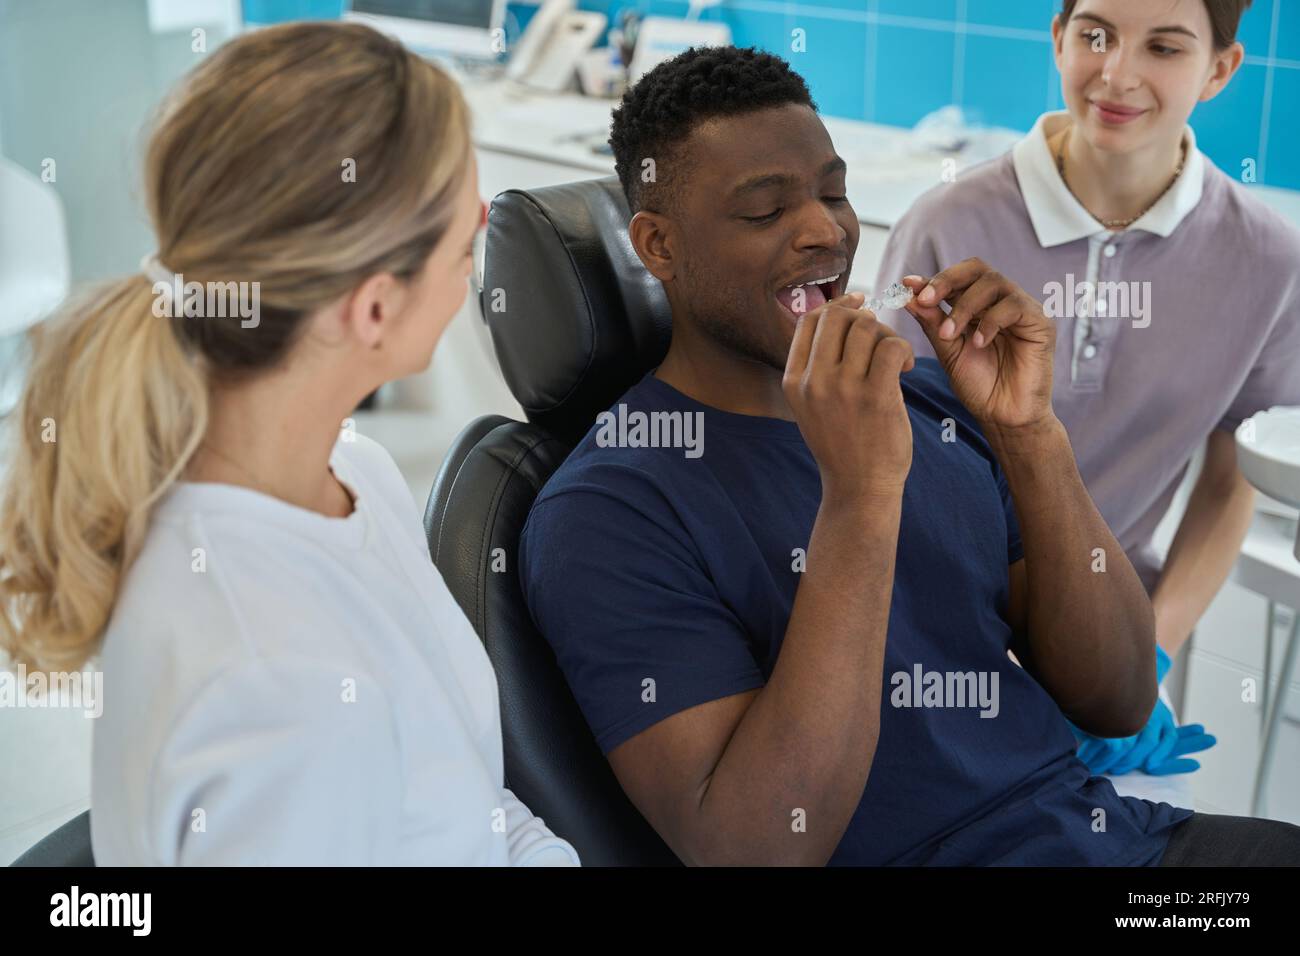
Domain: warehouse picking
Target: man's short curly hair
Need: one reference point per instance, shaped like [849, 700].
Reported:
[658, 113]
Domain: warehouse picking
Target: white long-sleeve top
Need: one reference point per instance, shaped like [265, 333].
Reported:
[281, 687]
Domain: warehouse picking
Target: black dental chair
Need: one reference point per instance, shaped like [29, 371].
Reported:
[575, 320]
[69, 845]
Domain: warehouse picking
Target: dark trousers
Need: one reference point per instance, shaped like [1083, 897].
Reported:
[1214, 839]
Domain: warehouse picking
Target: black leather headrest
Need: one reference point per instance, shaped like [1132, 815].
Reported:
[575, 317]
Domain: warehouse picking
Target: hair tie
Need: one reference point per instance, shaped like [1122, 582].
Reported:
[155, 271]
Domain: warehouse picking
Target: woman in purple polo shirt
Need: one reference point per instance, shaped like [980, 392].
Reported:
[1176, 293]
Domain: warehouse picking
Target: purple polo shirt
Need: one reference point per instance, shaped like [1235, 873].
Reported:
[1187, 321]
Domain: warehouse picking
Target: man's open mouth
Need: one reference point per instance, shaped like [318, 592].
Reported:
[810, 293]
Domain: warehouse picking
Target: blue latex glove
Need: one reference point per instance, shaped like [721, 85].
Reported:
[1188, 739]
[1099, 753]
[1163, 663]
[1119, 755]
[1160, 748]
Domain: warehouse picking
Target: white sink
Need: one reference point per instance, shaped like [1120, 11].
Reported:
[1268, 452]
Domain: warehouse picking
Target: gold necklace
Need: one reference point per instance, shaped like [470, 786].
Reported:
[257, 482]
[264, 488]
[1116, 223]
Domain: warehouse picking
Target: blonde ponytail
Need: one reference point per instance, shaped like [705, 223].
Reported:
[112, 411]
[245, 182]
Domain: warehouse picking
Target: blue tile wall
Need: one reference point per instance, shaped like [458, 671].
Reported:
[893, 61]
[994, 59]
[275, 11]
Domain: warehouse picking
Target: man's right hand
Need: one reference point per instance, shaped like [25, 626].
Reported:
[842, 382]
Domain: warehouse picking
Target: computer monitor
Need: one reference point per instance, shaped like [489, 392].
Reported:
[463, 28]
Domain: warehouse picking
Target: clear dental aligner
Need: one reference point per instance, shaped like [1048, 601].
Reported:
[895, 296]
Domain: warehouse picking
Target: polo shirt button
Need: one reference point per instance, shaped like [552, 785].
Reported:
[1089, 351]
[1110, 251]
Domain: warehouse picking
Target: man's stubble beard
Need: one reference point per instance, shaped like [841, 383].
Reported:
[734, 334]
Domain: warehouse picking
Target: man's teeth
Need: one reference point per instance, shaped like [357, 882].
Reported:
[796, 285]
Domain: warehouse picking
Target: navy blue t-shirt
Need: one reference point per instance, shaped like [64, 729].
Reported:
[679, 567]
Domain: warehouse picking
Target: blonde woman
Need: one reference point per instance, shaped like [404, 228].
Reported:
[286, 677]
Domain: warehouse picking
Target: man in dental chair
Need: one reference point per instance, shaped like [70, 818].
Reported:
[792, 643]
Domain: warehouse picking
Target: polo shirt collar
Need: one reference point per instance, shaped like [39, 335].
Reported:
[1059, 218]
